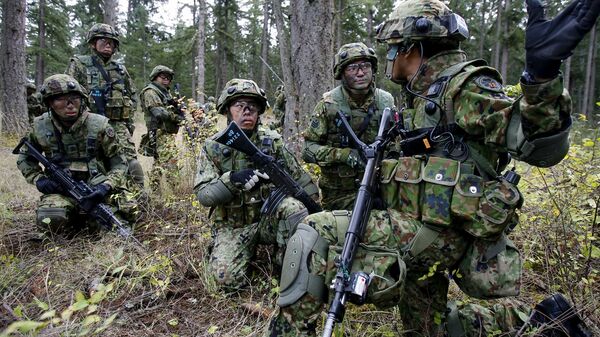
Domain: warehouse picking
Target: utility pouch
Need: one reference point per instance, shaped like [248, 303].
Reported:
[408, 176]
[490, 269]
[440, 176]
[465, 199]
[99, 100]
[496, 209]
[389, 188]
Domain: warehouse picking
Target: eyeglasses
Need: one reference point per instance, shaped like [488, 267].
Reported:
[353, 68]
[242, 106]
[165, 77]
[105, 41]
[66, 99]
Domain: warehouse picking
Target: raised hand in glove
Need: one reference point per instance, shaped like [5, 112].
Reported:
[549, 42]
[246, 179]
[96, 197]
[352, 158]
[47, 186]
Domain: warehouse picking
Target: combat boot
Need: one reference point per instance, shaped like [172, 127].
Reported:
[555, 317]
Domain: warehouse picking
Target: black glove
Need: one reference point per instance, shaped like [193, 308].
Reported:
[549, 42]
[96, 197]
[47, 186]
[246, 179]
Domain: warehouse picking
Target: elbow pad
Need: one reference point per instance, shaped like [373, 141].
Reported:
[543, 151]
[214, 194]
[308, 155]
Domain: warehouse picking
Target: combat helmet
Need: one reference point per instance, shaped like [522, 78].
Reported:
[161, 69]
[417, 20]
[61, 84]
[100, 30]
[351, 52]
[236, 88]
[30, 87]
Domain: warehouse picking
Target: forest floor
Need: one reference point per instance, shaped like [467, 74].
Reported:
[103, 285]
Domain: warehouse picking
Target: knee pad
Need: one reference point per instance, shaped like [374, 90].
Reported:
[296, 279]
[288, 225]
[52, 218]
[136, 171]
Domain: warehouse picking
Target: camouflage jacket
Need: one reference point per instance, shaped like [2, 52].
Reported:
[158, 111]
[35, 107]
[216, 163]
[480, 107]
[323, 140]
[88, 149]
[119, 100]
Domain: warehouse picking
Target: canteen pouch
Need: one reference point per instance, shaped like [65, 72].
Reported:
[408, 177]
[496, 210]
[490, 269]
[389, 188]
[440, 176]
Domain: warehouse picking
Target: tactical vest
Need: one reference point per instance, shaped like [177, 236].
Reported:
[341, 176]
[115, 96]
[152, 123]
[77, 151]
[244, 208]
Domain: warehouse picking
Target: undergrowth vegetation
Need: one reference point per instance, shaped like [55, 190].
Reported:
[102, 285]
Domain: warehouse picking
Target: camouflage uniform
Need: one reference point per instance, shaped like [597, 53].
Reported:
[238, 225]
[112, 96]
[35, 107]
[323, 142]
[442, 204]
[163, 124]
[279, 110]
[88, 149]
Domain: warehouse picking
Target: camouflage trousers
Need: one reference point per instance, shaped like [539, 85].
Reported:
[135, 172]
[422, 299]
[165, 161]
[234, 248]
[57, 213]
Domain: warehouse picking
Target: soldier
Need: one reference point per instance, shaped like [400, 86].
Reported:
[111, 89]
[34, 102]
[83, 143]
[363, 104]
[210, 107]
[450, 203]
[162, 121]
[228, 182]
[279, 109]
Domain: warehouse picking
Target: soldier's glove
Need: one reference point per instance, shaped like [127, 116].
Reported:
[246, 179]
[47, 186]
[352, 158]
[96, 197]
[549, 42]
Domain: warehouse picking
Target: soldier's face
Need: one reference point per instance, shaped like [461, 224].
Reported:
[358, 75]
[244, 112]
[66, 106]
[106, 47]
[164, 79]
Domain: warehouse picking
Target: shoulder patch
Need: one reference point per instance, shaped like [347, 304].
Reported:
[110, 132]
[314, 123]
[488, 83]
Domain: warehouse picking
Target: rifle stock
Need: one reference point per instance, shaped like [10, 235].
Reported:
[78, 190]
[235, 138]
[342, 284]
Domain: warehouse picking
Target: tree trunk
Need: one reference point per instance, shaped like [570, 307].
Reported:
[589, 99]
[482, 27]
[339, 15]
[370, 33]
[567, 74]
[194, 53]
[12, 68]
[498, 44]
[40, 64]
[110, 12]
[504, 41]
[200, 58]
[264, 53]
[290, 128]
[311, 38]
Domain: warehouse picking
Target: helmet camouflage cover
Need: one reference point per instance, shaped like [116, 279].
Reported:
[351, 52]
[415, 20]
[100, 30]
[30, 86]
[61, 84]
[161, 69]
[236, 88]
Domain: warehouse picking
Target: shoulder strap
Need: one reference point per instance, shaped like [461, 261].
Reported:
[101, 69]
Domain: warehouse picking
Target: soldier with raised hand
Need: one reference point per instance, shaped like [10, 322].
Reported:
[451, 205]
[35, 107]
[363, 104]
[163, 123]
[111, 89]
[236, 190]
[83, 143]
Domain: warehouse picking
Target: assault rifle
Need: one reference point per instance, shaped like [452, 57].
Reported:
[235, 138]
[353, 286]
[78, 190]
